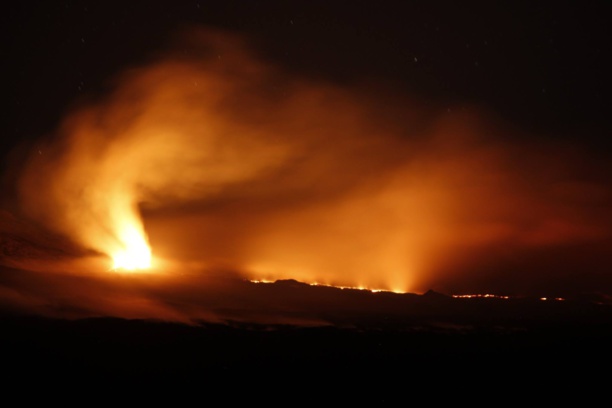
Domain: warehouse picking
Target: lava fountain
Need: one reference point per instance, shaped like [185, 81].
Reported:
[136, 253]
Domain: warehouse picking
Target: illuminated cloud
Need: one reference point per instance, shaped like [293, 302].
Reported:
[218, 159]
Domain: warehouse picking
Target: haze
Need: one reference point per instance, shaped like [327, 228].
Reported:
[220, 160]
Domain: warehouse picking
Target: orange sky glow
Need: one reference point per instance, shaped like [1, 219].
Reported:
[221, 161]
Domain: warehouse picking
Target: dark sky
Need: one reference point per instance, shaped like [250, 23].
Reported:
[544, 66]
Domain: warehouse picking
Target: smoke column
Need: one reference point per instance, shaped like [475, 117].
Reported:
[220, 158]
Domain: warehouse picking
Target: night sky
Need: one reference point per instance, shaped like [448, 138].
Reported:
[544, 67]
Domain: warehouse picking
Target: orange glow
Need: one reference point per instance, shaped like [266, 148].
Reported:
[332, 286]
[481, 295]
[136, 253]
[219, 159]
[490, 295]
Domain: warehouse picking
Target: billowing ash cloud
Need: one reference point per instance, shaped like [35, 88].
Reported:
[224, 160]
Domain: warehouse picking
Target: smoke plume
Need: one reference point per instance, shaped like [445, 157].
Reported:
[217, 158]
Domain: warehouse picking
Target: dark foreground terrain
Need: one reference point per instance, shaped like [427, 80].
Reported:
[506, 348]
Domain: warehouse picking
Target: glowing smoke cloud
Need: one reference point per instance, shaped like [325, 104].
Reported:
[230, 161]
[163, 132]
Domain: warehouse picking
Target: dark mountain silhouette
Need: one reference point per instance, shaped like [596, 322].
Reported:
[423, 339]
